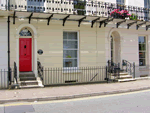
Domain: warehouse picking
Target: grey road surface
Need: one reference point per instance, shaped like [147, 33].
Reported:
[138, 102]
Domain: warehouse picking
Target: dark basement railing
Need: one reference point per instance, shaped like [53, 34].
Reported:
[40, 70]
[15, 72]
[129, 67]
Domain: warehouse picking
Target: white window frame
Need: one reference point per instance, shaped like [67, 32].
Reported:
[77, 49]
[146, 51]
[121, 2]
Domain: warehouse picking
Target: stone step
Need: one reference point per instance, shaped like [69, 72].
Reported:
[25, 83]
[31, 75]
[26, 74]
[125, 76]
[27, 78]
[123, 73]
[126, 80]
[120, 74]
[31, 86]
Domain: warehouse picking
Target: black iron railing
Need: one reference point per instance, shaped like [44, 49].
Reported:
[66, 75]
[5, 80]
[40, 70]
[15, 72]
[114, 69]
[10, 75]
[129, 67]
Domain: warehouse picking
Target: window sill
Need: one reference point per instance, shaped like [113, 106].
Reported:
[144, 68]
[71, 70]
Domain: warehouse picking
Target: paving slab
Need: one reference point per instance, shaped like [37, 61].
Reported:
[71, 91]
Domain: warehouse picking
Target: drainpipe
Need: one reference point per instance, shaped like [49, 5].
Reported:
[6, 5]
[9, 50]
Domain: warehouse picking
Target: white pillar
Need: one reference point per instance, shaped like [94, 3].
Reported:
[35, 56]
[17, 54]
[148, 49]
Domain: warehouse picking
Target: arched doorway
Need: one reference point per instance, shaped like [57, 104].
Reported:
[27, 31]
[25, 50]
[115, 47]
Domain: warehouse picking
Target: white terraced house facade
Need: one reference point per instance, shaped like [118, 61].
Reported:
[57, 6]
[72, 35]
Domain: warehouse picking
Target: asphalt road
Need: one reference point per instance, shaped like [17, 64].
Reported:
[134, 102]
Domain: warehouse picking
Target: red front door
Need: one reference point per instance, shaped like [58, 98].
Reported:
[25, 54]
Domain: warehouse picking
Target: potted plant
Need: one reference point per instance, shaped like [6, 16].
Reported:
[68, 56]
[68, 63]
[133, 17]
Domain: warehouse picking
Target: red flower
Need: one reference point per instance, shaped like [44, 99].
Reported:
[129, 14]
[121, 13]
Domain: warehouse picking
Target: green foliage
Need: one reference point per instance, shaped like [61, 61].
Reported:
[80, 5]
[68, 56]
[133, 17]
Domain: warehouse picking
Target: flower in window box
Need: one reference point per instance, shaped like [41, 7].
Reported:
[120, 14]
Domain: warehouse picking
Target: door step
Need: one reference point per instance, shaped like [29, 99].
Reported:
[31, 86]
[123, 73]
[126, 80]
[125, 76]
[25, 83]
[26, 74]
[27, 78]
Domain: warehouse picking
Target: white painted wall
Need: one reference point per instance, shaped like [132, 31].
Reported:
[139, 3]
[3, 44]
[3, 2]
[3, 54]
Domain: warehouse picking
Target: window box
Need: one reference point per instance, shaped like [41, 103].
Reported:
[120, 14]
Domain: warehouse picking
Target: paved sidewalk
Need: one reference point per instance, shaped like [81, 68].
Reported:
[72, 91]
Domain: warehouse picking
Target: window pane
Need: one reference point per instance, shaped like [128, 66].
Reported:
[120, 1]
[142, 39]
[64, 35]
[70, 54]
[141, 54]
[72, 35]
[25, 32]
[70, 63]
[142, 47]
[142, 62]
[70, 44]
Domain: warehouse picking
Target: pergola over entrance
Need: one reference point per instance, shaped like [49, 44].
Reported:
[78, 18]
